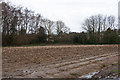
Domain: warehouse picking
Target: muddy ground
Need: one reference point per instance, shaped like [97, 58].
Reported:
[108, 72]
[67, 61]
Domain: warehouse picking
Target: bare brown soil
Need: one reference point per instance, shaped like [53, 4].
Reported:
[108, 72]
[67, 61]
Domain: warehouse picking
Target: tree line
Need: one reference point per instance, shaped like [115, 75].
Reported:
[21, 26]
[101, 29]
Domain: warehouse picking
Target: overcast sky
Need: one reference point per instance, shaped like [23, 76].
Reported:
[72, 12]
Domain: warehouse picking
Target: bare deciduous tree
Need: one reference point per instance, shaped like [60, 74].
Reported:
[111, 22]
[61, 28]
[49, 27]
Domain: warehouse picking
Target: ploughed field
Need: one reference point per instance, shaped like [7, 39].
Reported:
[64, 61]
